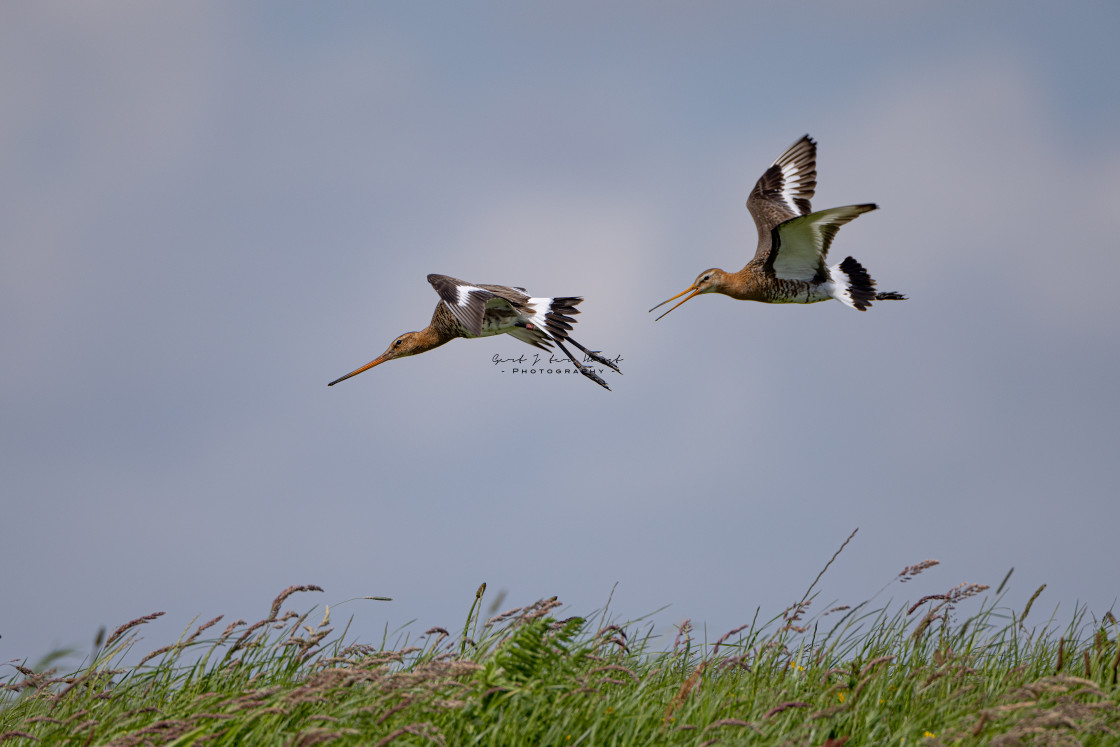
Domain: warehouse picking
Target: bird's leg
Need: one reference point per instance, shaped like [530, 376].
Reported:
[594, 355]
[585, 370]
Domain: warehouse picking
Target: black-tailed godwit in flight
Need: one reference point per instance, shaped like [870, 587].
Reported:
[789, 264]
[467, 310]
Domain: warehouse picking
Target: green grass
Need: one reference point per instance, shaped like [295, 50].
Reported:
[927, 673]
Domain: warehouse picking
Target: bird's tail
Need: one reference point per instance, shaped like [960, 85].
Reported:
[558, 319]
[852, 286]
[554, 317]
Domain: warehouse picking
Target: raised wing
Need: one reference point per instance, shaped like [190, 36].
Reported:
[784, 191]
[467, 302]
[799, 246]
[517, 297]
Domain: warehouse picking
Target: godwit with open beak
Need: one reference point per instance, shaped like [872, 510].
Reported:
[466, 310]
[789, 266]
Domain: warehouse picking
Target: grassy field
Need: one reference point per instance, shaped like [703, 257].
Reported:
[950, 668]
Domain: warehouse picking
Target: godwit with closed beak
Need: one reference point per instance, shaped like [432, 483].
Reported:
[789, 264]
[467, 310]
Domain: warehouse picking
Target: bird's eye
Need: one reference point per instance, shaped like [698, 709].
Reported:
[397, 344]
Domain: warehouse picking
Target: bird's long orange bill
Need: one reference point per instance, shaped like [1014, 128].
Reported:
[695, 291]
[366, 367]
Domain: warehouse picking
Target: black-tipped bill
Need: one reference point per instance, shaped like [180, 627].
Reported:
[376, 361]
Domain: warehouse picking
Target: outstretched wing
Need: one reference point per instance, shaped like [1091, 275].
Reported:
[798, 246]
[784, 191]
[468, 303]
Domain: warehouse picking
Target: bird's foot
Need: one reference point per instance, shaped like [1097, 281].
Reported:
[589, 372]
[595, 356]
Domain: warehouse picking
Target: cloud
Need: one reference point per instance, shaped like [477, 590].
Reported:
[213, 213]
[985, 193]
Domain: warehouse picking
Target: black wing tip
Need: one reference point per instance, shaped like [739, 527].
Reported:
[437, 280]
[803, 145]
[805, 140]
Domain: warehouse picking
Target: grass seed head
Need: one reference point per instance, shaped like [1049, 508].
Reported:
[276, 603]
[131, 624]
[1027, 609]
[911, 571]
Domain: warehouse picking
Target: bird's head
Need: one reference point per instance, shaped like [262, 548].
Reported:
[410, 343]
[709, 281]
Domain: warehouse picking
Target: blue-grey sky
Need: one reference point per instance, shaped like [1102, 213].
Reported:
[210, 210]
